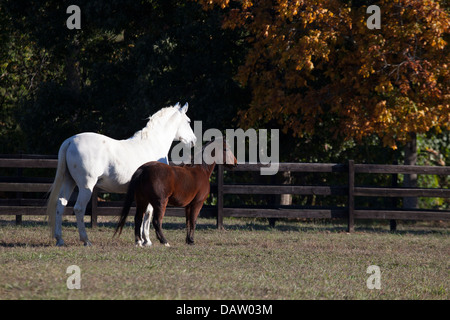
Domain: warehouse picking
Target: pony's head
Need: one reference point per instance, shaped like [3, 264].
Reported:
[228, 156]
[219, 151]
[184, 131]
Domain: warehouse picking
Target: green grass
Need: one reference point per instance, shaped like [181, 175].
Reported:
[294, 260]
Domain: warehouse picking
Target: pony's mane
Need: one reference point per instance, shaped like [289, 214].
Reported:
[203, 164]
[153, 121]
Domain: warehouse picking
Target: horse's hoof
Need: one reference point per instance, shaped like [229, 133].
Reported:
[167, 244]
[138, 244]
[147, 244]
[88, 244]
[60, 243]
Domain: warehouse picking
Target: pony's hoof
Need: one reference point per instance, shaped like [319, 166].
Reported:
[147, 244]
[60, 243]
[167, 244]
[138, 244]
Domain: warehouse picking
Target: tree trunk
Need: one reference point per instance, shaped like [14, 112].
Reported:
[394, 201]
[283, 199]
[286, 199]
[72, 68]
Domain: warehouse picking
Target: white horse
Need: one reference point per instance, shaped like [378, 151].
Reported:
[88, 159]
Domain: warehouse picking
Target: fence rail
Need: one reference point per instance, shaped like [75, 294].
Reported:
[13, 187]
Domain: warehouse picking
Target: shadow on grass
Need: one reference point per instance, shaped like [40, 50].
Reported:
[23, 245]
[243, 224]
[338, 226]
[249, 226]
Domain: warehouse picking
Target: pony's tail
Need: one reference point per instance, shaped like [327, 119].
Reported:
[128, 201]
[56, 187]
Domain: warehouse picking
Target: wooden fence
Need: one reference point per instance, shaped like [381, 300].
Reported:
[12, 188]
[351, 191]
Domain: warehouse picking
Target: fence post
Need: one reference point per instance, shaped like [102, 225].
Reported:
[19, 195]
[394, 201]
[220, 197]
[94, 211]
[351, 196]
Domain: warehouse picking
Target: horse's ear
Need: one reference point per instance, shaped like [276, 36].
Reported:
[184, 108]
[177, 106]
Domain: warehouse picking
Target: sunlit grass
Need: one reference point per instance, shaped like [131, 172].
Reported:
[249, 260]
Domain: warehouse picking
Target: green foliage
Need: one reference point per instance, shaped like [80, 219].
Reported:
[434, 149]
[23, 65]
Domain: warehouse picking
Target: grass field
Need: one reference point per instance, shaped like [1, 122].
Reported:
[249, 260]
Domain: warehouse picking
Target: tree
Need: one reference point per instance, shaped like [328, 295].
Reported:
[23, 65]
[129, 59]
[312, 59]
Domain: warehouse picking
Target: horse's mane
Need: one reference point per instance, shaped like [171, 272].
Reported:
[153, 121]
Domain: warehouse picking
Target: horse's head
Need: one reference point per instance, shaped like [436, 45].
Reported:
[184, 131]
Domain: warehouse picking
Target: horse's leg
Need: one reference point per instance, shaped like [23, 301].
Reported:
[192, 212]
[140, 211]
[84, 195]
[64, 196]
[159, 209]
[145, 229]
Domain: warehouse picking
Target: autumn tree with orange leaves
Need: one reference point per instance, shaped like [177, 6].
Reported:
[315, 58]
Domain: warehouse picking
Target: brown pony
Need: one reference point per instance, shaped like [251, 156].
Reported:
[182, 186]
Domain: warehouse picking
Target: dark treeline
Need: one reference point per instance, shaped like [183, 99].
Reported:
[129, 59]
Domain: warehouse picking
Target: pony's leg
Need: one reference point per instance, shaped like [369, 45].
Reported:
[158, 214]
[84, 195]
[64, 196]
[192, 212]
[145, 229]
[140, 211]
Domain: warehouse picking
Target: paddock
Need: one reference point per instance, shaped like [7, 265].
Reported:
[308, 253]
[247, 260]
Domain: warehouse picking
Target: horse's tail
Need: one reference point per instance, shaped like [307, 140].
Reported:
[128, 201]
[56, 186]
